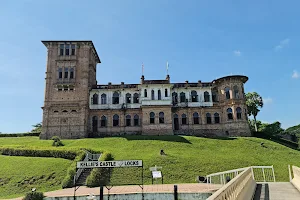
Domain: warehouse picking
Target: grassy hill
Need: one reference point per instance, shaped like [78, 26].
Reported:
[186, 157]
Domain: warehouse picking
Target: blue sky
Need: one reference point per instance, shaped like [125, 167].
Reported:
[201, 40]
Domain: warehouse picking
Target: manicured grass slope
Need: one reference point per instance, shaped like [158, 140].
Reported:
[186, 156]
[18, 175]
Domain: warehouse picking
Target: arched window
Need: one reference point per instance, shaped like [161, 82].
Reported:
[71, 73]
[136, 120]
[60, 73]
[196, 118]
[116, 120]
[103, 98]
[206, 97]
[152, 118]
[95, 123]
[217, 118]
[229, 114]
[128, 98]
[103, 121]
[182, 97]
[136, 98]
[128, 120]
[152, 95]
[115, 98]
[159, 94]
[95, 99]
[183, 119]
[161, 118]
[194, 96]
[227, 92]
[174, 98]
[215, 96]
[236, 92]
[166, 92]
[238, 113]
[208, 118]
[145, 93]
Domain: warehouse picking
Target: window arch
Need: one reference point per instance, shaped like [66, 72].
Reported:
[159, 94]
[128, 120]
[227, 92]
[208, 118]
[236, 92]
[152, 95]
[183, 119]
[115, 98]
[215, 95]
[95, 99]
[166, 92]
[174, 98]
[229, 114]
[95, 123]
[136, 120]
[176, 116]
[182, 97]
[152, 118]
[135, 98]
[161, 118]
[103, 98]
[196, 118]
[128, 98]
[206, 97]
[238, 113]
[217, 118]
[145, 92]
[103, 121]
[194, 96]
[116, 120]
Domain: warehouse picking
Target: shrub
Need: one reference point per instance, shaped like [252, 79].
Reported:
[19, 134]
[56, 141]
[34, 196]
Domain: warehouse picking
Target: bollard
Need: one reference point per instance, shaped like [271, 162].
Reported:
[175, 192]
[101, 193]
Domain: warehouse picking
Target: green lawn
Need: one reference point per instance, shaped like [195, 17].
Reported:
[18, 175]
[186, 156]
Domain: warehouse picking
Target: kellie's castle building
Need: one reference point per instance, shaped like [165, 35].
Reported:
[76, 106]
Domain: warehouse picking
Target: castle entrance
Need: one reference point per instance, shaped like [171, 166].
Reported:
[176, 122]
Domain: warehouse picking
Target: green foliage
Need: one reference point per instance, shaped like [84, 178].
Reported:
[56, 141]
[100, 176]
[34, 196]
[278, 139]
[37, 128]
[294, 131]
[254, 102]
[19, 134]
[271, 129]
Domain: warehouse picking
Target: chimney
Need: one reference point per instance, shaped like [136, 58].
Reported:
[168, 78]
[199, 83]
[142, 79]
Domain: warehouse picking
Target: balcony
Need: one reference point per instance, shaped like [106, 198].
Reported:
[65, 81]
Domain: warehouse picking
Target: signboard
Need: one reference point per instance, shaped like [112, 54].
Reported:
[115, 163]
[156, 174]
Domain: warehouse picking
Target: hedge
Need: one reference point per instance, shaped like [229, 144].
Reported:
[19, 134]
[276, 139]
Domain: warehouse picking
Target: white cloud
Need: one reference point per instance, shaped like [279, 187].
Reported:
[237, 53]
[267, 100]
[282, 44]
[295, 74]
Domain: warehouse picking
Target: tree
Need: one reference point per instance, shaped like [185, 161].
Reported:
[254, 101]
[37, 128]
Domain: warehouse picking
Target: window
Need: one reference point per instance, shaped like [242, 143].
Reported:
[136, 98]
[95, 123]
[206, 97]
[95, 99]
[214, 96]
[116, 120]
[136, 120]
[128, 120]
[159, 94]
[236, 92]
[128, 98]
[73, 49]
[71, 73]
[238, 113]
[183, 119]
[115, 98]
[174, 98]
[182, 97]
[227, 93]
[166, 92]
[208, 118]
[71, 88]
[217, 118]
[61, 49]
[65, 111]
[74, 111]
[145, 93]
[152, 118]
[194, 96]
[196, 118]
[229, 114]
[152, 95]
[60, 73]
[103, 121]
[161, 118]
[103, 98]
[66, 72]
[56, 111]
[67, 49]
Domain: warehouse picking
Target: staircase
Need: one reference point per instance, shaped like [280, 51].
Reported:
[83, 176]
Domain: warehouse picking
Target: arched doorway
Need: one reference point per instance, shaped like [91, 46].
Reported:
[176, 122]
